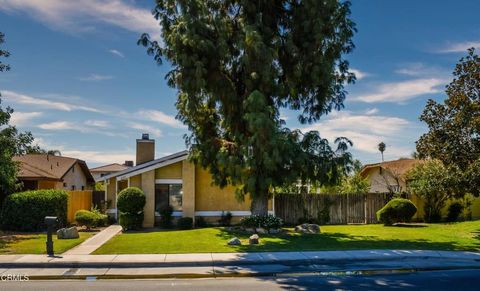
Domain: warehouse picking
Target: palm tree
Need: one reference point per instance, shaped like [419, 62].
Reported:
[381, 148]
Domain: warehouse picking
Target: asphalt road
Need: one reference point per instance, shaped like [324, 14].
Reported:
[437, 280]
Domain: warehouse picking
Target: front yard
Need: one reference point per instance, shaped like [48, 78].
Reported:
[34, 243]
[453, 236]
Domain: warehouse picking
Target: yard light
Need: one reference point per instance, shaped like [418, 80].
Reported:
[50, 221]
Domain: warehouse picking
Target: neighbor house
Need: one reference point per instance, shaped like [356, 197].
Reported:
[388, 177]
[45, 171]
[173, 180]
[105, 170]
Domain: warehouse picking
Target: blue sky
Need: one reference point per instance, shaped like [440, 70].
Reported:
[81, 84]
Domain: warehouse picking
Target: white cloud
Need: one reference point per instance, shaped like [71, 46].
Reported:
[422, 70]
[18, 98]
[145, 128]
[398, 92]
[359, 74]
[117, 53]
[61, 125]
[23, 118]
[96, 78]
[160, 117]
[97, 123]
[82, 15]
[89, 126]
[459, 47]
[371, 111]
[365, 131]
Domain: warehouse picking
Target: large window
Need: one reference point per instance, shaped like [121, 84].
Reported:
[168, 194]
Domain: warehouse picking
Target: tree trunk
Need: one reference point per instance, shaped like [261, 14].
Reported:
[259, 205]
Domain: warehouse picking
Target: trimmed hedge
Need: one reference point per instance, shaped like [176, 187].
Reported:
[454, 211]
[268, 221]
[25, 211]
[397, 210]
[90, 218]
[130, 204]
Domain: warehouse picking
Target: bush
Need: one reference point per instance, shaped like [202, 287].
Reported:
[454, 211]
[268, 221]
[397, 210]
[200, 222]
[130, 203]
[86, 218]
[25, 211]
[185, 223]
[225, 219]
[166, 216]
[102, 219]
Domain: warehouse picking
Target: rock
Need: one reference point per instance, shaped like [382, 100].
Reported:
[261, 230]
[234, 242]
[275, 230]
[307, 228]
[254, 239]
[67, 233]
[250, 230]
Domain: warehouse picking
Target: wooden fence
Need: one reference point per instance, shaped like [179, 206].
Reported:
[78, 200]
[341, 208]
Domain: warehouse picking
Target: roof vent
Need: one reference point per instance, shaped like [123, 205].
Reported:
[145, 136]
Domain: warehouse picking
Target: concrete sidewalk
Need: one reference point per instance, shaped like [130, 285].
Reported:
[230, 259]
[91, 244]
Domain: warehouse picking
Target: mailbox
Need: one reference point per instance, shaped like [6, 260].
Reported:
[51, 222]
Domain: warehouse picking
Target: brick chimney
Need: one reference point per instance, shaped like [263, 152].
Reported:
[145, 149]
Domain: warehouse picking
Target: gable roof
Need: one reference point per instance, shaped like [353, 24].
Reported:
[45, 166]
[109, 168]
[398, 167]
[148, 166]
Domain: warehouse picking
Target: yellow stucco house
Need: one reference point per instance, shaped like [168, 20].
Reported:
[173, 180]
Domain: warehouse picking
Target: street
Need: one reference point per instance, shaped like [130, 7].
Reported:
[434, 280]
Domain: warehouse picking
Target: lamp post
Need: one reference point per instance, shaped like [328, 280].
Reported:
[50, 221]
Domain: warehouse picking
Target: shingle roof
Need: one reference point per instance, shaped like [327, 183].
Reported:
[110, 168]
[399, 167]
[45, 166]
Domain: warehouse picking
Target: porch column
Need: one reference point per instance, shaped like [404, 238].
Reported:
[148, 187]
[188, 187]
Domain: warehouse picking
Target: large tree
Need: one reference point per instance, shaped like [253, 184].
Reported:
[236, 64]
[454, 126]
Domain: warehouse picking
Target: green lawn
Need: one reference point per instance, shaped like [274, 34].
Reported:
[28, 243]
[454, 236]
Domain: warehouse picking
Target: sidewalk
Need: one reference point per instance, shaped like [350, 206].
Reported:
[91, 244]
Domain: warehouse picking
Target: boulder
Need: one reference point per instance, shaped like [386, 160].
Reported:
[254, 239]
[307, 228]
[234, 242]
[261, 230]
[67, 233]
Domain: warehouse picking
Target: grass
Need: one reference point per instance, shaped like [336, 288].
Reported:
[452, 236]
[34, 243]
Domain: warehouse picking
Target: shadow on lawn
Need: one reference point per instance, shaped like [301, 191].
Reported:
[338, 241]
[7, 239]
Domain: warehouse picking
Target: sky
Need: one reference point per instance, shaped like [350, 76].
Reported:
[81, 84]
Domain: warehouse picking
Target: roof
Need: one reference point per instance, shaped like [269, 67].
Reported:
[45, 166]
[148, 166]
[110, 168]
[398, 167]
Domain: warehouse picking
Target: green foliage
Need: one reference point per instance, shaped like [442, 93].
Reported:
[185, 223]
[396, 210]
[131, 200]
[454, 211]
[86, 218]
[200, 222]
[453, 126]
[264, 221]
[236, 64]
[130, 221]
[102, 219]
[225, 219]
[435, 183]
[166, 216]
[25, 211]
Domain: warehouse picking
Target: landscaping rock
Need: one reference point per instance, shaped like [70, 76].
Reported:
[250, 230]
[261, 230]
[254, 239]
[274, 230]
[307, 228]
[67, 233]
[234, 242]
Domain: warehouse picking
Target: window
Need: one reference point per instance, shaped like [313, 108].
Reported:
[83, 188]
[65, 185]
[73, 187]
[168, 194]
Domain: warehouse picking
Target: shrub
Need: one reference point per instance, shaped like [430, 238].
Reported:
[268, 221]
[185, 223]
[166, 216]
[86, 218]
[25, 211]
[130, 203]
[102, 219]
[225, 219]
[397, 210]
[200, 222]
[454, 211]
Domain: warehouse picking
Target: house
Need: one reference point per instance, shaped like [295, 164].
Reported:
[45, 171]
[105, 170]
[388, 177]
[173, 180]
